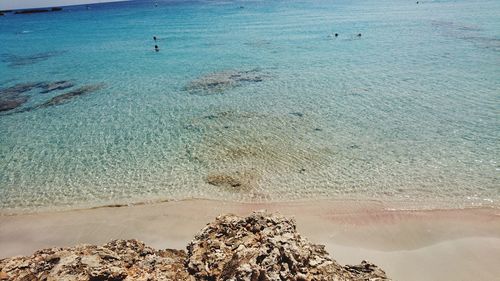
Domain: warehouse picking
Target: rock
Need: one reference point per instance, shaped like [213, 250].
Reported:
[16, 61]
[260, 247]
[298, 114]
[366, 271]
[223, 180]
[58, 85]
[64, 98]
[219, 82]
[116, 260]
[10, 104]
[264, 247]
[236, 181]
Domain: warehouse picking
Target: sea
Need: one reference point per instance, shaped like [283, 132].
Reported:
[251, 101]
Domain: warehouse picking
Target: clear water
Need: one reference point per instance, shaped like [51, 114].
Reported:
[408, 112]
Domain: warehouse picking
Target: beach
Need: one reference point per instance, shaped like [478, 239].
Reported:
[373, 123]
[409, 245]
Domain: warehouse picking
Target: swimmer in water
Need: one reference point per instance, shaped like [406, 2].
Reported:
[157, 49]
[154, 38]
[359, 34]
[336, 35]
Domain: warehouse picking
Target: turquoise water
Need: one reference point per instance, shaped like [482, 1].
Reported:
[253, 101]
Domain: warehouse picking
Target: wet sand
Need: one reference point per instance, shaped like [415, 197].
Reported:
[408, 245]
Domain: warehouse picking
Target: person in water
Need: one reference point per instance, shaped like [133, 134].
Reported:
[359, 34]
[336, 35]
[157, 49]
[154, 38]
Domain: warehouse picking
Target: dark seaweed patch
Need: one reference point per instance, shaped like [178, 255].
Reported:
[57, 85]
[13, 97]
[20, 88]
[9, 104]
[64, 98]
[17, 61]
[219, 82]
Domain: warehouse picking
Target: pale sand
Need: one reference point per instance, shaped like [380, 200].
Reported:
[408, 245]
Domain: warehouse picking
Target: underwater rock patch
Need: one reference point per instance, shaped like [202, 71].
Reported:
[16, 61]
[20, 88]
[231, 115]
[9, 104]
[219, 82]
[57, 85]
[15, 96]
[236, 181]
[258, 43]
[12, 97]
[298, 114]
[64, 98]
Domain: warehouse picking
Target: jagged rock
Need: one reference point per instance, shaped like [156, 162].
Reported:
[260, 247]
[263, 247]
[117, 260]
[64, 98]
[218, 82]
[367, 271]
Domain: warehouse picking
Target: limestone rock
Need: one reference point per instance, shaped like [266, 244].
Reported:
[118, 260]
[265, 247]
[260, 247]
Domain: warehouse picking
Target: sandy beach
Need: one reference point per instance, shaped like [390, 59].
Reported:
[409, 245]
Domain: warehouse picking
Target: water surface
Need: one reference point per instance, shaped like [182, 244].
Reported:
[253, 101]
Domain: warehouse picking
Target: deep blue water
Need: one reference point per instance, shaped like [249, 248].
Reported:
[253, 101]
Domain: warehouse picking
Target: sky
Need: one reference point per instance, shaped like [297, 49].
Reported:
[26, 4]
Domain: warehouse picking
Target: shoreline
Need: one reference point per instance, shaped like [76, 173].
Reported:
[451, 243]
[389, 204]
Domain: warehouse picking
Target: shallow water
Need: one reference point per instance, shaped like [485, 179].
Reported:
[250, 103]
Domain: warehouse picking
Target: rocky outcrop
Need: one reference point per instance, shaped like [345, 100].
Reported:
[116, 260]
[260, 247]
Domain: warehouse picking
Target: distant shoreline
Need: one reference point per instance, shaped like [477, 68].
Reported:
[389, 204]
[7, 5]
